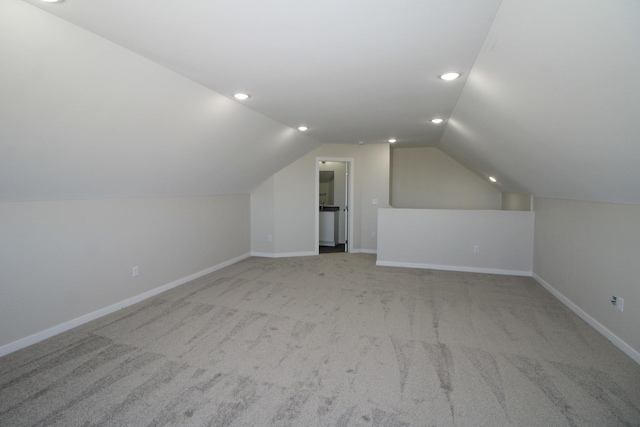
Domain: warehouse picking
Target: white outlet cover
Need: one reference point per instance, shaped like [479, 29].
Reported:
[620, 304]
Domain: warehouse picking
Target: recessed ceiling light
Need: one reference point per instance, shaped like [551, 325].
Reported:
[450, 75]
[242, 96]
[392, 140]
[303, 128]
[437, 121]
[492, 179]
[53, 1]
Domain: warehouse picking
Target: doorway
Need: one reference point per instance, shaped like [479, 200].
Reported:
[334, 198]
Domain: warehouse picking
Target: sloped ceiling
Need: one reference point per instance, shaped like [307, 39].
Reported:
[552, 106]
[83, 118]
[547, 102]
[355, 70]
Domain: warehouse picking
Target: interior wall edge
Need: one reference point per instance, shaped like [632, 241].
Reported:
[588, 252]
[458, 268]
[283, 254]
[615, 340]
[364, 251]
[63, 327]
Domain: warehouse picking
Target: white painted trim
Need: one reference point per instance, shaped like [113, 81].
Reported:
[626, 348]
[63, 327]
[454, 268]
[297, 254]
[351, 204]
[282, 254]
[365, 251]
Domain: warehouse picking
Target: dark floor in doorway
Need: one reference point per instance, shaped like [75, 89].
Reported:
[331, 249]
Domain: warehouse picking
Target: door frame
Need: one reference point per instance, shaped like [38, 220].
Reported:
[350, 183]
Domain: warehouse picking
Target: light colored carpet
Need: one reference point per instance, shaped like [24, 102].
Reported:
[330, 340]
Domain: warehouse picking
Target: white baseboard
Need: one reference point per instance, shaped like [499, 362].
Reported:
[296, 254]
[63, 327]
[454, 268]
[364, 251]
[626, 348]
[282, 254]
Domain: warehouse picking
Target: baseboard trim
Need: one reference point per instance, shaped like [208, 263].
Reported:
[454, 268]
[282, 254]
[626, 348]
[63, 327]
[296, 254]
[364, 251]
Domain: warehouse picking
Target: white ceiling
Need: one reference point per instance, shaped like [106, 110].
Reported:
[552, 106]
[356, 70]
[548, 100]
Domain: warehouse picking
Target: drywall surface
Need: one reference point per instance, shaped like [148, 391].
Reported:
[294, 200]
[534, 106]
[516, 202]
[294, 195]
[588, 252]
[83, 118]
[427, 178]
[62, 260]
[263, 218]
[463, 240]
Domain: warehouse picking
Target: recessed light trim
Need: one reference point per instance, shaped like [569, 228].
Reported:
[492, 179]
[53, 1]
[451, 75]
[392, 140]
[437, 121]
[303, 128]
[241, 96]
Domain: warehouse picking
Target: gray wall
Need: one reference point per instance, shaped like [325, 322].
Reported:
[107, 161]
[516, 202]
[62, 260]
[587, 252]
[291, 193]
[427, 178]
[486, 241]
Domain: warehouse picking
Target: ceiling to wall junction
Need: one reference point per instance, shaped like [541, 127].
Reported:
[547, 101]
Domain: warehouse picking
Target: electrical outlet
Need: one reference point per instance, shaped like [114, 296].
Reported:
[134, 271]
[374, 234]
[618, 302]
[476, 249]
[270, 238]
